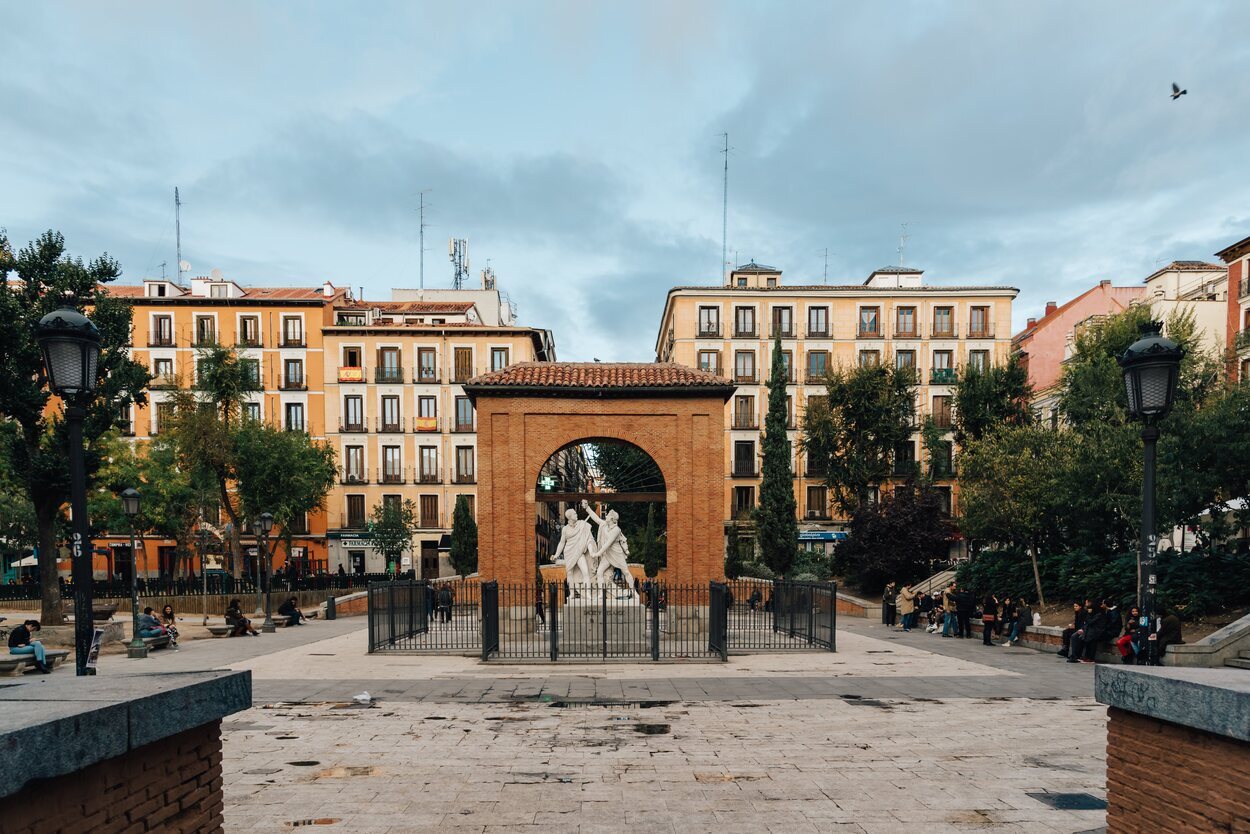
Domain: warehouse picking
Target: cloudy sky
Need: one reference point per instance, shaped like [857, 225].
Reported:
[576, 144]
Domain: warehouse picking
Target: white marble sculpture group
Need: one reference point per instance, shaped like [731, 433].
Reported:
[588, 558]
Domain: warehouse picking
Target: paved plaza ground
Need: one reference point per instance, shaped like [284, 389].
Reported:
[892, 733]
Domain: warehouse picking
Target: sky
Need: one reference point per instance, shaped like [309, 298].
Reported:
[576, 145]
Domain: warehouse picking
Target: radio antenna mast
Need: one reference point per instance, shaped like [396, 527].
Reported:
[458, 253]
[178, 230]
[421, 235]
[825, 279]
[724, 215]
[902, 242]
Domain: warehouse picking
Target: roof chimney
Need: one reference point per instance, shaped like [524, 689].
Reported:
[1051, 307]
[327, 289]
[1106, 282]
[1030, 323]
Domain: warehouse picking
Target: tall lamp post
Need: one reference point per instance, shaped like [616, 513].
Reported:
[1150, 366]
[130, 506]
[70, 344]
[202, 539]
[265, 523]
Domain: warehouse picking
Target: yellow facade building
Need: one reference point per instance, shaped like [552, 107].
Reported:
[893, 317]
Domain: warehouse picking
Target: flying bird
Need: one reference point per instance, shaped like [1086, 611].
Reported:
[1177, 92]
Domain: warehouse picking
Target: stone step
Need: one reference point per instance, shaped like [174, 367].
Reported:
[1244, 654]
[1238, 662]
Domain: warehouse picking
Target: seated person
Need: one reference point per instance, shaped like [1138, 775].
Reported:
[149, 626]
[169, 623]
[291, 612]
[20, 642]
[240, 625]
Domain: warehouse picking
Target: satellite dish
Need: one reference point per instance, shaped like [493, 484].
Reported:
[217, 275]
[184, 266]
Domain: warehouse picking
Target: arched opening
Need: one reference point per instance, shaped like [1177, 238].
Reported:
[609, 474]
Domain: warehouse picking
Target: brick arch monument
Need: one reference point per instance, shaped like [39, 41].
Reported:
[528, 411]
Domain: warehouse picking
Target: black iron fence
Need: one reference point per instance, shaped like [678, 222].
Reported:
[548, 622]
[213, 585]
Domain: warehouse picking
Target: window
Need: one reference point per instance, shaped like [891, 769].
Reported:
[817, 502]
[352, 319]
[218, 291]
[163, 370]
[294, 416]
[744, 366]
[156, 290]
[742, 282]
[392, 503]
[355, 511]
[389, 368]
[783, 322]
[942, 411]
[943, 460]
[464, 465]
[905, 459]
[869, 322]
[464, 414]
[744, 322]
[943, 322]
[354, 464]
[905, 322]
[391, 420]
[709, 321]
[164, 414]
[744, 457]
[428, 506]
[744, 501]
[744, 412]
[392, 465]
[251, 371]
[905, 360]
[126, 420]
[292, 331]
[979, 360]
[789, 411]
[869, 358]
[251, 411]
[771, 281]
[429, 465]
[463, 360]
[293, 373]
[817, 322]
[817, 365]
[162, 331]
[978, 322]
[944, 499]
[353, 413]
[427, 365]
[709, 360]
[498, 359]
[787, 359]
[427, 407]
[943, 360]
[351, 357]
[249, 331]
[299, 525]
[205, 330]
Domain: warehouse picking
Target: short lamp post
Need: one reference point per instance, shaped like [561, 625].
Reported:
[70, 344]
[1151, 366]
[130, 506]
[265, 523]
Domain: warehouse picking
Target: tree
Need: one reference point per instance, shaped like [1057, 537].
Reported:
[284, 473]
[989, 398]
[649, 549]
[391, 526]
[776, 525]
[45, 277]
[854, 429]
[897, 538]
[1011, 488]
[205, 421]
[463, 539]
[19, 532]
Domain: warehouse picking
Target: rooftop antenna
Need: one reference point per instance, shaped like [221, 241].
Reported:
[458, 253]
[724, 213]
[162, 270]
[178, 231]
[825, 278]
[421, 235]
[488, 277]
[902, 242]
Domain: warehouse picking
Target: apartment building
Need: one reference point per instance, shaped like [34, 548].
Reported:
[893, 316]
[1237, 322]
[397, 415]
[277, 331]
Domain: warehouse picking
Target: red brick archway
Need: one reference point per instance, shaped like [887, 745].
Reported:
[528, 411]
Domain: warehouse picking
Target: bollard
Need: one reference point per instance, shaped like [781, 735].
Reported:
[330, 612]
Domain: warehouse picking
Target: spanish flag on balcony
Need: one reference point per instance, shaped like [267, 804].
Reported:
[427, 424]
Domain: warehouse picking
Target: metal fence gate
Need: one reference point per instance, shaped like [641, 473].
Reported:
[550, 622]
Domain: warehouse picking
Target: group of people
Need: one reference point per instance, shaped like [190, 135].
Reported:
[151, 625]
[241, 625]
[1138, 640]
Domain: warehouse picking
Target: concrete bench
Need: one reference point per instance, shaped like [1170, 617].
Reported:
[15, 664]
[156, 642]
[220, 630]
[100, 612]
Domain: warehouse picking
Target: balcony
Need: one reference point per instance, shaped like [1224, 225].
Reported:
[163, 381]
[392, 476]
[904, 469]
[425, 424]
[818, 332]
[745, 332]
[817, 515]
[709, 330]
[743, 469]
[354, 476]
[1242, 340]
[815, 472]
[426, 376]
[910, 373]
[429, 522]
[943, 376]
[464, 478]
[911, 332]
[383, 426]
[746, 421]
[390, 374]
[861, 333]
[352, 522]
[352, 428]
[291, 340]
[945, 331]
[293, 384]
[462, 428]
[785, 331]
[745, 376]
[711, 369]
[431, 477]
[942, 419]
[351, 373]
[743, 513]
[817, 376]
[248, 342]
[205, 340]
[461, 375]
[160, 341]
[980, 331]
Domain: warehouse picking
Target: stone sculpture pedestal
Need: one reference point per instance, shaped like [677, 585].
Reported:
[582, 622]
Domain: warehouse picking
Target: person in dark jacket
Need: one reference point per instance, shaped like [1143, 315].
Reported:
[964, 606]
[989, 618]
[1022, 619]
[1079, 614]
[1098, 628]
[290, 610]
[888, 609]
[1007, 616]
[20, 642]
[1167, 634]
[239, 624]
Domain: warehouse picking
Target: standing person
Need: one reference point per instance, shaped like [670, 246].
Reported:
[906, 607]
[989, 618]
[170, 624]
[754, 600]
[964, 606]
[539, 611]
[888, 609]
[444, 603]
[20, 642]
[948, 610]
[1085, 642]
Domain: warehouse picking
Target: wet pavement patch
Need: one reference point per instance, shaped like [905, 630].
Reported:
[653, 729]
[319, 821]
[304, 763]
[1069, 801]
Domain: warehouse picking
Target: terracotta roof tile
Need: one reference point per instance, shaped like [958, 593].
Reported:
[605, 375]
[410, 307]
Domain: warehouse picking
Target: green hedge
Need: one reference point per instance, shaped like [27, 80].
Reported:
[1196, 583]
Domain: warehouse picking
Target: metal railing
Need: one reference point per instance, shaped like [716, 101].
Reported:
[744, 376]
[390, 374]
[425, 375]
[354, 476]
[711, 330]
[744, 332]
[746, 421]
[943, 376]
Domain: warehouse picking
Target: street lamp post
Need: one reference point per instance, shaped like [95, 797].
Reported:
[130, 506]
[265, 523]
[202, 540]
[1150, 366]
[70, 344]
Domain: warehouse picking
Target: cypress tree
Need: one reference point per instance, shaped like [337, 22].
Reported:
[463, 553]
[775, 520]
